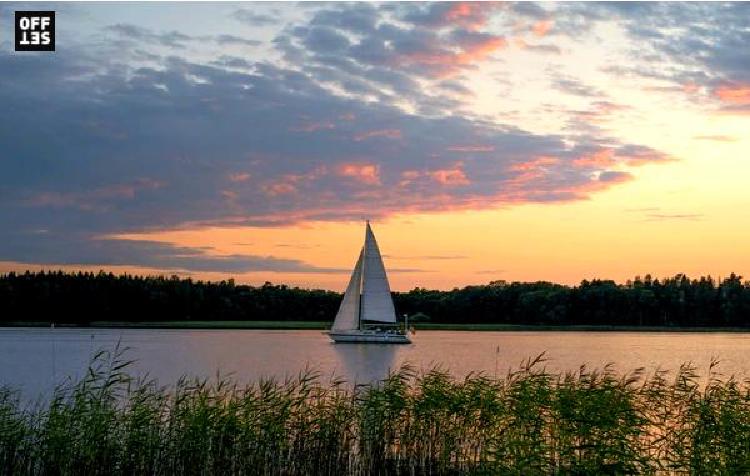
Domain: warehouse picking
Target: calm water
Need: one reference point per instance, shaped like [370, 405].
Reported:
[33, 360]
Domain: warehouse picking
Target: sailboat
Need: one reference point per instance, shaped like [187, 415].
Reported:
[366, 314]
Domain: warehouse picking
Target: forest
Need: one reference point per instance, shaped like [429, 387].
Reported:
[85, 297]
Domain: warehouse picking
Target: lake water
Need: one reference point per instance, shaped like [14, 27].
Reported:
[33, 360]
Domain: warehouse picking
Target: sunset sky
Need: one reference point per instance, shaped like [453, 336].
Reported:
[484, 141]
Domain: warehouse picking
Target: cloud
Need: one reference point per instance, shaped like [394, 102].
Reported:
[127, 147]
[365, 173]
[576, 87]
[451, 177]
[427, 257]
[542, 27]
[718, 138]
[471, 148]
[239, 177]
[76, 249]
[615, 176]
[251, 18]
[490, 271]
[735, 96]
[385, 133]
[673, 216]
[236, 40]
[693, 45]
[387, 52]
[467, 15]
[172, 39]
[538, 48]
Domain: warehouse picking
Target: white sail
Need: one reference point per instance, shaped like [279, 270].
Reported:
[377, 304]
[348, 316]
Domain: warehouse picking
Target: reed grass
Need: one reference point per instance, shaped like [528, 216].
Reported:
[527, 422]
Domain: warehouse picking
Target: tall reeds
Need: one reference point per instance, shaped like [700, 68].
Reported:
[528, 422]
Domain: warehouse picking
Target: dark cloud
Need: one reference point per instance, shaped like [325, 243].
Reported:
[532, 10]
[379, 52]
[614, 176]
[44, 247]
[158, 148]
[356, 18]
[324, 39]
[235, 142]
[228, 61]
[235, 40]
[466, 15]
[576, 87]
[173, 39]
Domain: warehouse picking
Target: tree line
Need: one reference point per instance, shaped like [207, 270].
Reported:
[81, 298]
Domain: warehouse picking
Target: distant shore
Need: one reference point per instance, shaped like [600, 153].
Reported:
[318, 325]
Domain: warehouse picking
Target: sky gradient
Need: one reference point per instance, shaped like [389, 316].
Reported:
[485, 141]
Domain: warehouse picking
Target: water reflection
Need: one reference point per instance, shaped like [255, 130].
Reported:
[34, 360]
[364, 363]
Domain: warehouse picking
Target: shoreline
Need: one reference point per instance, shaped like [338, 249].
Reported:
[318, 325]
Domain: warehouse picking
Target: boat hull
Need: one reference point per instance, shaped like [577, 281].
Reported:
[368, 337]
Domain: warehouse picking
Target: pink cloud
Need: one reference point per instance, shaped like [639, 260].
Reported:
[637, 156]
[471, 148]
[535, 163]
[690, 88]
[446, 61]
[539, 48]
[738, 94]
[364, 173]
[408, 177]
[96, 199]
[388, 133]
[239, 177]
[541, 28]
[480, 50]
[630, 156]
[286, 184]
[275, 189]
[314, 126]
[599, 159]
[469, 15]
[450, 177]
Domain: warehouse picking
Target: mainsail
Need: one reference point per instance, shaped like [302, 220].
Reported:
[368, 295]
[377, 304]
[348, 316]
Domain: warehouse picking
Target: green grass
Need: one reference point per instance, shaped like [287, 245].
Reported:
[528, 422]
